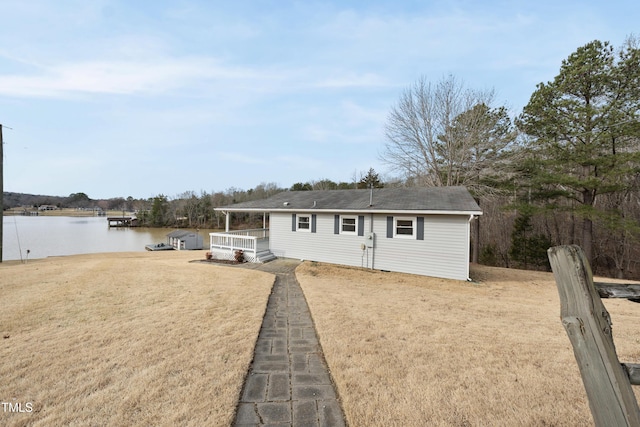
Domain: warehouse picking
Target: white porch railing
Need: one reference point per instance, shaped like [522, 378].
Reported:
[251, 242]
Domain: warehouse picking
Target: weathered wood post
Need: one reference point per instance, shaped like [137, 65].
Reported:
[588, 325]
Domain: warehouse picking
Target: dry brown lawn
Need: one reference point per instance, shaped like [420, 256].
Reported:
[408, 350]
[126, 339]
[151, 339]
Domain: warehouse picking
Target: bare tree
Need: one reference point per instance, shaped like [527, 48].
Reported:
[423, 140]
[324, 184]
[444, 135]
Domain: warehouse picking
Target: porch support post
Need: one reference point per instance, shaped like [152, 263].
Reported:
[264, 220]
[226, 222]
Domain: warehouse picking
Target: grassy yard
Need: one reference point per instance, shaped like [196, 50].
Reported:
[143, 338]
[407, 350]
[148, 338]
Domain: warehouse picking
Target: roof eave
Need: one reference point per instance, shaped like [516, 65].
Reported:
[359, 211]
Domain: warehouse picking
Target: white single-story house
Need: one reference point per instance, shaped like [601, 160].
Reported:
[185, 240]
[412, 230]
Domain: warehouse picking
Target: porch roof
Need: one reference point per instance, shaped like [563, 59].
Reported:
[431, 200]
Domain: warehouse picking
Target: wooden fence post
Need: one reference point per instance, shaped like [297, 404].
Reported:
[588, 325]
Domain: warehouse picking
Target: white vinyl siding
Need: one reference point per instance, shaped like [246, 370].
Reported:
[323, 245]
[444, 252]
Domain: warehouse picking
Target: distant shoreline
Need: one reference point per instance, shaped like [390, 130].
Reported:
[64, 212]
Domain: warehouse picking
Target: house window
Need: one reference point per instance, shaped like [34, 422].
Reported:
[348, 225]
[404, 227]
[304, 223]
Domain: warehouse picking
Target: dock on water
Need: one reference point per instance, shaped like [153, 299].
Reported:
[120, 221]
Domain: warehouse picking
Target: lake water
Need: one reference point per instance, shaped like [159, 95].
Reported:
[47, 236]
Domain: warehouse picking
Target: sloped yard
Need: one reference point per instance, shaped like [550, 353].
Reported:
[126, 339]
[151, 339]
[407, 350]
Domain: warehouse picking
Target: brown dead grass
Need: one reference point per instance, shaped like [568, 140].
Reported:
[407, 350]
[150, 339]
[127, 339]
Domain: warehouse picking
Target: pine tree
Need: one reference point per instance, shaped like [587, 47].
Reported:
[528, 248]
[159, 210]
[583, 130]
[371, 179]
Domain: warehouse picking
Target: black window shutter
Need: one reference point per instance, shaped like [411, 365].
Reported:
[336, 224]
[293, 222]
[420, 230]
[389, 227]
[361, 225]
[313, 223]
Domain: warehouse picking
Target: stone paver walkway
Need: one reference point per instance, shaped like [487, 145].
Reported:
[288, 383]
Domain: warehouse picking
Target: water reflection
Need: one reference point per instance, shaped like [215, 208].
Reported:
[45, 236]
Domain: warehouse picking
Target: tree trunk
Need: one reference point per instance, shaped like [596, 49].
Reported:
[588, 198]
[587, 238]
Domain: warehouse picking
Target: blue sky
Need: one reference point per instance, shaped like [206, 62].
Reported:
[140, 98]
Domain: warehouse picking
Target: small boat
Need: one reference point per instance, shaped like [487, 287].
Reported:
[159, 247]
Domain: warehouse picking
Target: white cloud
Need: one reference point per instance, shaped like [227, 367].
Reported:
[350, 122]
[307, 164]
[234, 157]
[120, 77]
[195, 75]
[350, 79]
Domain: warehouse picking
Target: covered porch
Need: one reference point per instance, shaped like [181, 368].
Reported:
[253, 243]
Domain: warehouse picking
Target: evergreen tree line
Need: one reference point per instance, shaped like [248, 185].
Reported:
[564, 171]
[193, 210]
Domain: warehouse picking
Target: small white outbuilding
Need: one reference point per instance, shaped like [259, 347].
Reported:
[185, 240]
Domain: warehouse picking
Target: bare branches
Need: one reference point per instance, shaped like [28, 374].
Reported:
[444, 134]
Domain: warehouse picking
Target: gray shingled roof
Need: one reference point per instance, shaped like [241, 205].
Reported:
[439, 199]
[179, 233]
